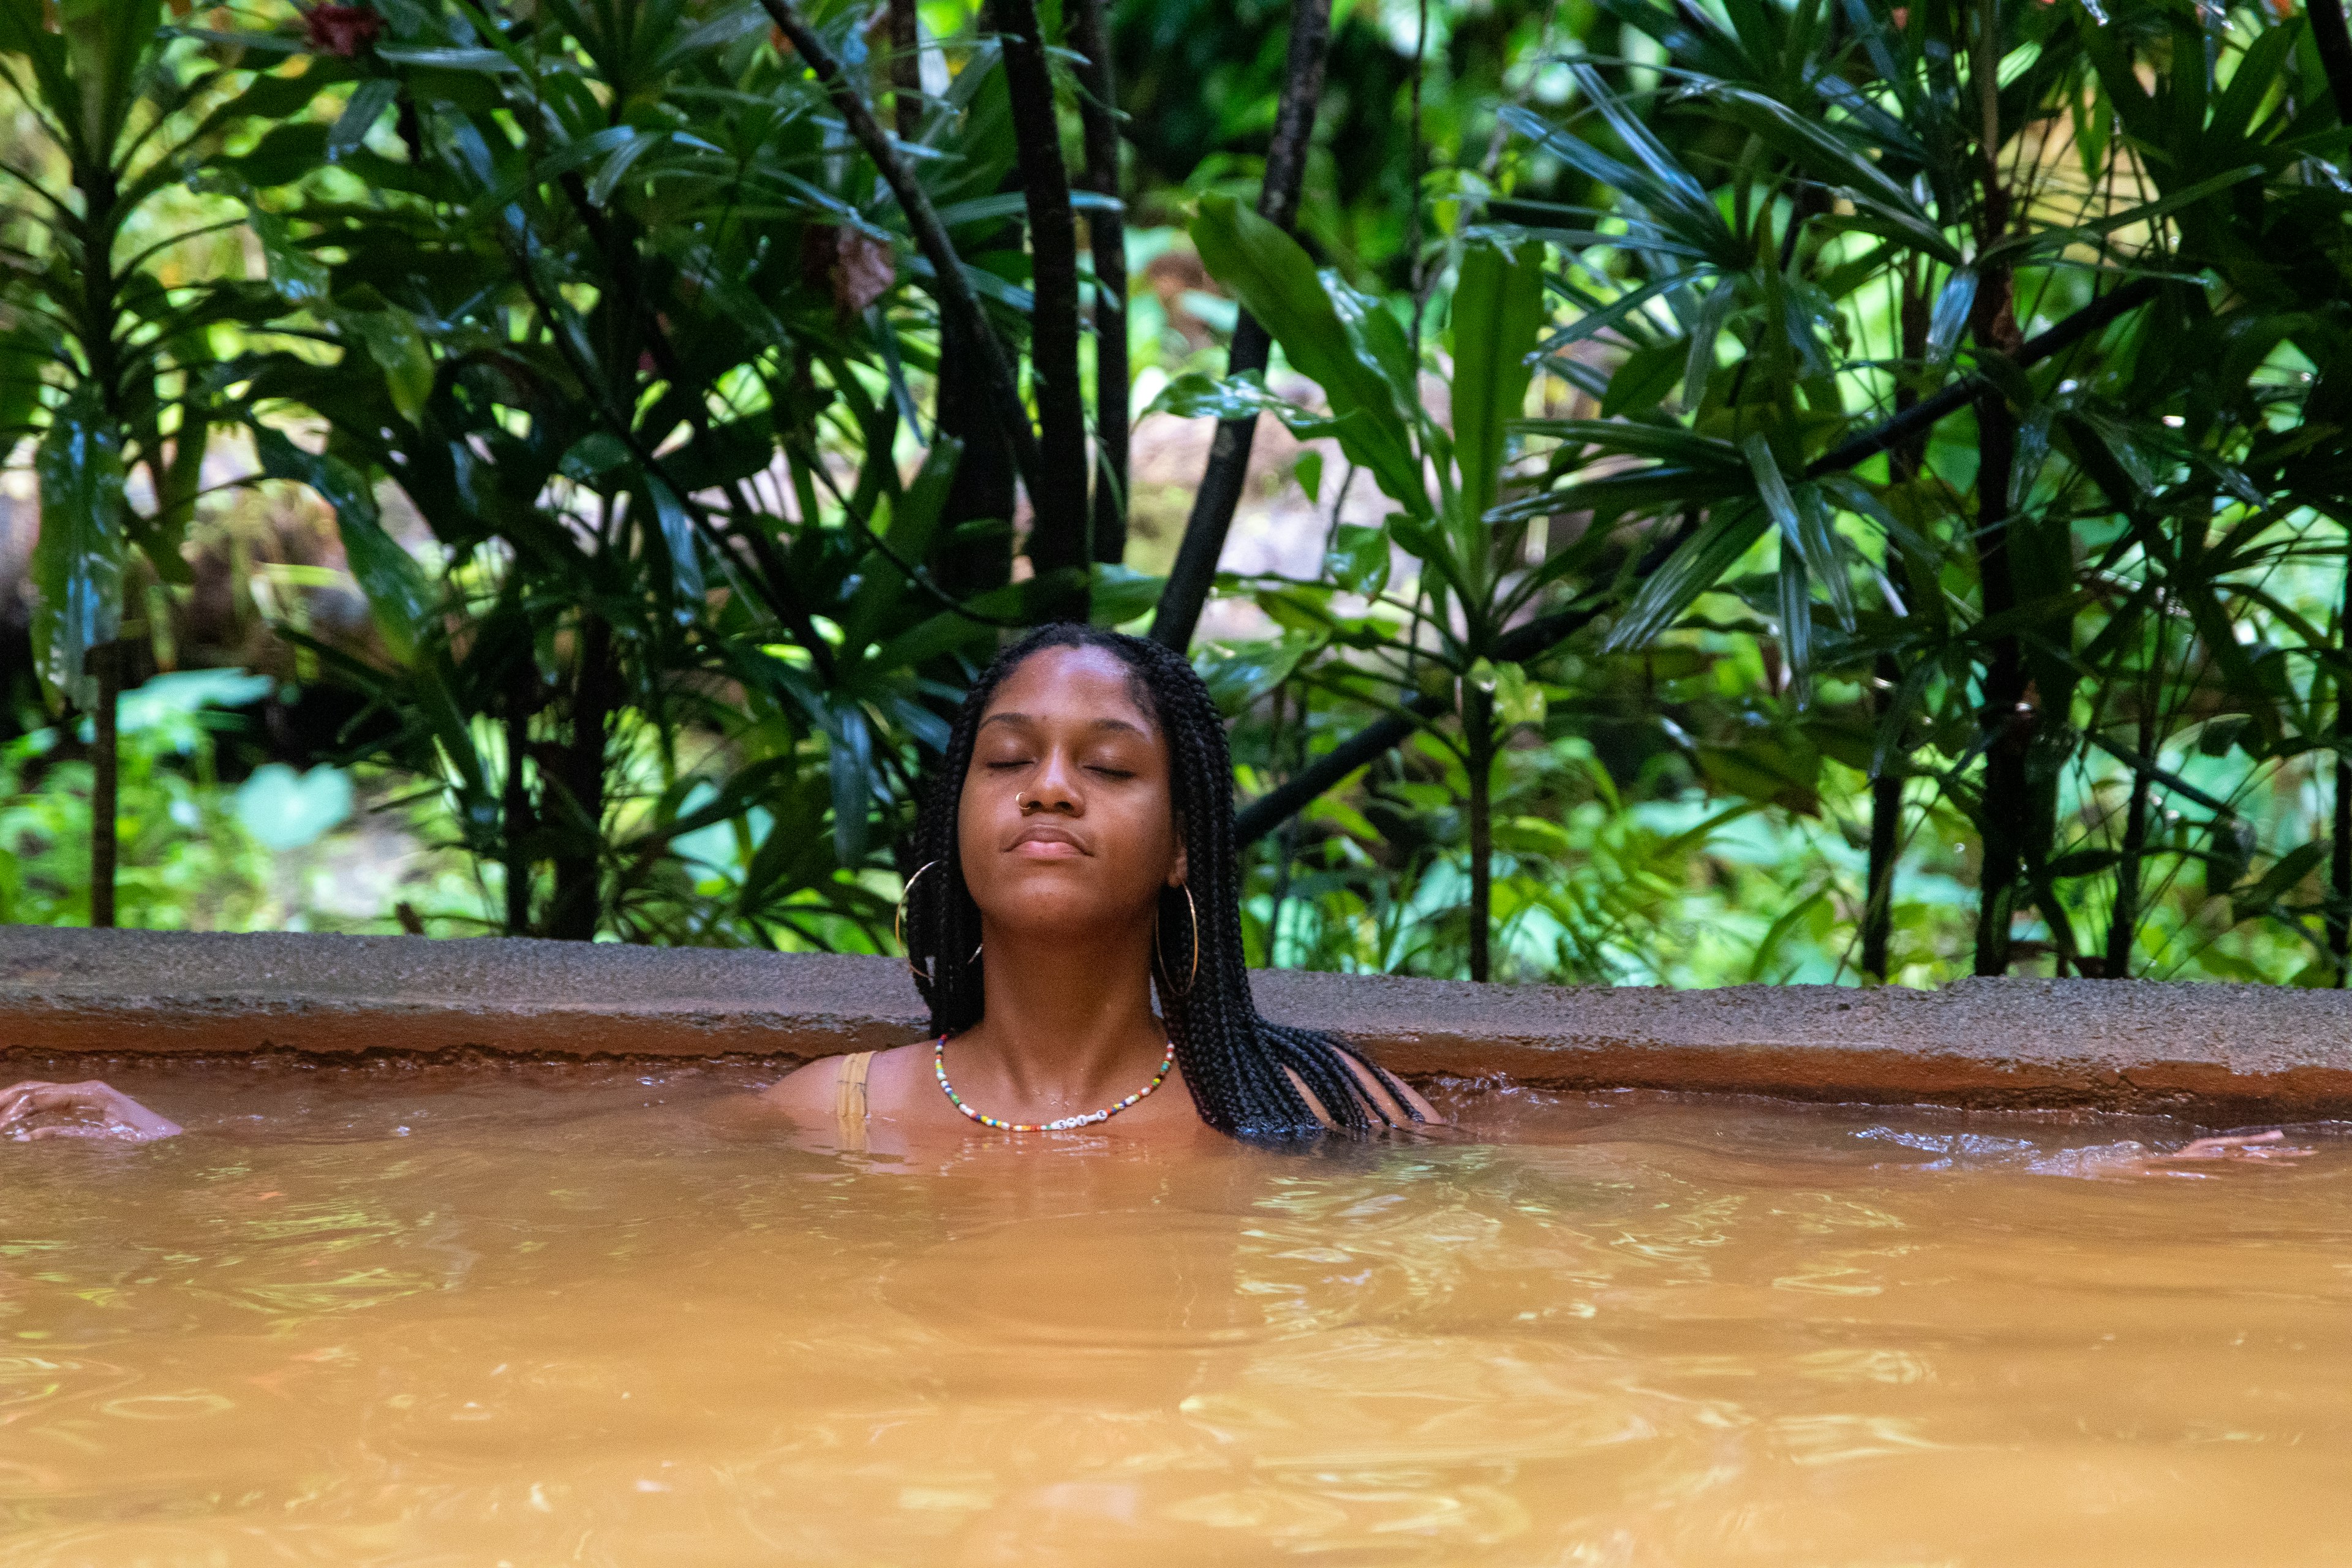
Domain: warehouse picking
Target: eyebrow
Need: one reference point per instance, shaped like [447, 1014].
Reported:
[1128, 725]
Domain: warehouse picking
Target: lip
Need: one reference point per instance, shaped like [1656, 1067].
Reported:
[1047, 841]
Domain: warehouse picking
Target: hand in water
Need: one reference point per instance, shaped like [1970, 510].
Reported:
[91, 1109]
[2260, 1147]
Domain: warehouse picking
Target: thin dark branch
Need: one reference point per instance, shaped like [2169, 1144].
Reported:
[1195, 571]
[905, 68]
[1057, 490]
[1531, 640]
[2332, 40]
[2090, 319]
[1107, 232]
[958, 303]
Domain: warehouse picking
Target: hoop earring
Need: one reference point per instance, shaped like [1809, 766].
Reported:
[1193, 911]
[898, 923]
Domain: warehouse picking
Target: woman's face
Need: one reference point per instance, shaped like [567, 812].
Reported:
[1065, 820]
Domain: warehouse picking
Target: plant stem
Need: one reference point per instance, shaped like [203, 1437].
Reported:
[1885, 839]
[1478, 752]
[952, 290]
[2339, 865]
[1286, 844]
[2123, 924]
[105, 663]
[2332, 40]
[906, 70]
[595, 696]
[2007, 719]
[515, 813]
[1904, 463]
[1107, 233]
[2125, 921]
[1058, 527]
[1416, 170]
[1195, 571]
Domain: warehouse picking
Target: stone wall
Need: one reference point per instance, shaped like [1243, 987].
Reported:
[2222, 1053]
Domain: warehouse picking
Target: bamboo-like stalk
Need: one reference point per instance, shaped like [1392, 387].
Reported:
[595, 697]
[2339, 859]
[2122, 921]
[1885, 843]
[1905, 461]
[905, 68]
[2333, 41]
[1195, 571]
[104, 663]
[514, 802]
[1478, 757]
[2007, 720]
[1107, 236]
[1059, 525]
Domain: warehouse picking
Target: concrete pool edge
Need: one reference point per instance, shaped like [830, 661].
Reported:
[2221, 1053]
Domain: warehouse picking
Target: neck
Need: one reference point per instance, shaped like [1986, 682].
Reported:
[1069, 1016]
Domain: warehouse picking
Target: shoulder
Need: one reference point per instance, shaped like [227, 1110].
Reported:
[1403, 1113]
[812, 1092]
[806, 1091]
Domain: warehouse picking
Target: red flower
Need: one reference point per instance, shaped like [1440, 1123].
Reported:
[340, 29]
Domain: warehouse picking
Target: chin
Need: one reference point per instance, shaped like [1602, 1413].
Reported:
[1050, 905]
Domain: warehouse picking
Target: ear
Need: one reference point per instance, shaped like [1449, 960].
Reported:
[1178, 870]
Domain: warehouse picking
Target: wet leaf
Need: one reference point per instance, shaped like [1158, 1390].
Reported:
[1359, 558]
[76, 565]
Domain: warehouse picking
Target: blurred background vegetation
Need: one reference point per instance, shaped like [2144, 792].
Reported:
[1680, 492]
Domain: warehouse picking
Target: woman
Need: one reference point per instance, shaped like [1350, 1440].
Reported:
[1086, 852]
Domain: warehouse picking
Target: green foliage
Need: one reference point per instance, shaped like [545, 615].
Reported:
[1860, 490]
[193, 857]
[108, 347]
[1811, 224]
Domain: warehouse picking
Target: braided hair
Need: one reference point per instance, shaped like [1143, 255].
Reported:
[1233, 1058]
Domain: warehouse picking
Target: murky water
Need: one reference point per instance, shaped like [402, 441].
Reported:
[428, 1318]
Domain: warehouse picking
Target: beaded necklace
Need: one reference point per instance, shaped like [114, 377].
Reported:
[939, 1068]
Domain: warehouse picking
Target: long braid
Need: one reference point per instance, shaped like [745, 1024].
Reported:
[1232, 1058]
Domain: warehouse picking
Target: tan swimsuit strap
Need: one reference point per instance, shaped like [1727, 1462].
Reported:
[849, 1096]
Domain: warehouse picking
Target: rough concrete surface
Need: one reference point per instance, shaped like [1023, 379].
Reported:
[2226, 1053]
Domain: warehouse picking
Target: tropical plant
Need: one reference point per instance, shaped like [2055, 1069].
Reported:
[1961, 525]
[640, 344]
[109, 317]
[1357, 352]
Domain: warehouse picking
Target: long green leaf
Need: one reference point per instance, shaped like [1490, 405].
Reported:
[76, 566]
[1729, 534]
[398, 595]
[1497, 311]
[1276, 283]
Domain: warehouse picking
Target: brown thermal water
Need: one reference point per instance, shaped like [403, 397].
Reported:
[423, 1317]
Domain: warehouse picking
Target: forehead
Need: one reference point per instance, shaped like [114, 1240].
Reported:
[1080, 684]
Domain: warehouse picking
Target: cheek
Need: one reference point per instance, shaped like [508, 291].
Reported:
[1148, 837]
[974, 827]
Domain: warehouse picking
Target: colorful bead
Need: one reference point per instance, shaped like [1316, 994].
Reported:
[939, 1068]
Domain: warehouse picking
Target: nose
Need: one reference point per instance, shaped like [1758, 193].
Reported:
[1055, 787]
